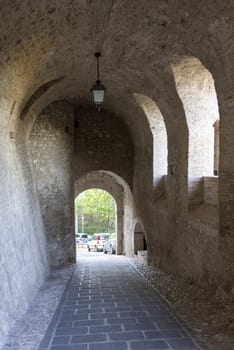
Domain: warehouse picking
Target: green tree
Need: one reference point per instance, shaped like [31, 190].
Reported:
[95, 210]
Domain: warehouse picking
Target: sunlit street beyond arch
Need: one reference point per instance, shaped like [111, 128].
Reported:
[95, 219]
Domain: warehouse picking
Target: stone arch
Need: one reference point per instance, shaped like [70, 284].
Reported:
[121, 193]
[160, 149]
[195, 86]
[139, 238]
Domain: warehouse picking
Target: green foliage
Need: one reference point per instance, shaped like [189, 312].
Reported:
[97, 207]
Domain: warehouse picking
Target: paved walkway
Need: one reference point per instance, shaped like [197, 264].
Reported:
[107, 305]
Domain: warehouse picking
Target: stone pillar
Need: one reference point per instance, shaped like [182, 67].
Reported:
[226, 184]
[119, 231]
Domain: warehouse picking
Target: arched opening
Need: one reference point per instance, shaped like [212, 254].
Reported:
[160, 149]
[195, 86]
[140, 243]
[95, 214]
[125, 209]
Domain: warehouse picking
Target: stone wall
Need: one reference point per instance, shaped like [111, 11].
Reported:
[102, 142]
[196, 251]
[23, 259]
[211, 190]
[51, 146]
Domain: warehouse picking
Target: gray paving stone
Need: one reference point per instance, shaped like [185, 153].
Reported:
[151, 319]
[168, 325]
[74, 317]
[60, 340]
[93, 309]
[69, 347]
[117, 309]
[162, 334]
[103, 315]
[182, 344]
[71, 331]
[122, 320]
[149, 345]
[113, 309]
[139, 326]
[137, 308]
[109, 346]
[106, 329]
[98, 305]
[69, 313]
[84, 302]
[89, 310]
[88, 338]
[126, 335]
[133, 314]
[88, 323]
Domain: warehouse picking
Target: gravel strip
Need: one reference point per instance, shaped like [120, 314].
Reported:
[210, 315]
[29, 330]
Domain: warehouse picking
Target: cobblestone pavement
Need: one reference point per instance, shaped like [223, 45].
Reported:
[107, 305]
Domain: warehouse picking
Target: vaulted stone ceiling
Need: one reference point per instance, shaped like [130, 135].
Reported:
[42, 41]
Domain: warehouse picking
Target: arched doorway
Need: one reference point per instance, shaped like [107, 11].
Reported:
[117, 187]
[95, 213]
[139, 239]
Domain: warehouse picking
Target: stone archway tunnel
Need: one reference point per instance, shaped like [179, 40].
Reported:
[165, 128]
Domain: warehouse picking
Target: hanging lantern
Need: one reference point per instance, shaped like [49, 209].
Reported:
[98, 90]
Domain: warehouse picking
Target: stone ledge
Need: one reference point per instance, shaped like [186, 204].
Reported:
[142, 256]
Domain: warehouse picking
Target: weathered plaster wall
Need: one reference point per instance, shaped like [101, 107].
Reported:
[51, 146]
[23, 259]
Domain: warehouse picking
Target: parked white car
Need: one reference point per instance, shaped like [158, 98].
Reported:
[97, 242]
[82, 238]
[110, 244]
